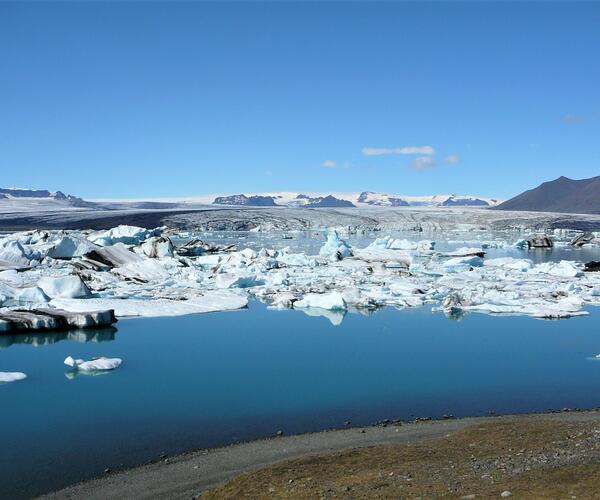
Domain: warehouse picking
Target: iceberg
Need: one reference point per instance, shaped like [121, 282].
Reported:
[210, 301]
[562, 269]
[6, 377]
[13, 252]
[95, 364]
[71, 246]
[330, 301]
[335, 248]
[129, 235]
[64, 287]
[157, 247]
[20, 296]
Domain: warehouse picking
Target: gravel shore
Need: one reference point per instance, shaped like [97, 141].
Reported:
[496, 448]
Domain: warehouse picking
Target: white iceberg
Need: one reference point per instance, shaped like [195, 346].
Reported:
[64, 287]
[335, 248]
[562, 269]
[6, 377]
[13, 252]
[210, 301]
[157, 247]
[95, 364]
[11, 296]
[71, 246]
[129, 235]
[330, 301]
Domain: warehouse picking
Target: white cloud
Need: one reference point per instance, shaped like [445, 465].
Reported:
[423, 162]
[405, 150]
[452, 159]
[329, 164]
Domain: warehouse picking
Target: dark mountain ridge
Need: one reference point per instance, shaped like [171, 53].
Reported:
[560, 195]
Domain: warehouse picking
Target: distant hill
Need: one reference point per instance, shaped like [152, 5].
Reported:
[39, 199]
[455, 201]
[381, 200]
[328, 201]
[560, 195]
[243, 200]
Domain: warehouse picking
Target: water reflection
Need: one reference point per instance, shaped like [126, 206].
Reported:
[41, 339]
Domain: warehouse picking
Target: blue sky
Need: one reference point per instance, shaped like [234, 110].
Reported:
[156, 99]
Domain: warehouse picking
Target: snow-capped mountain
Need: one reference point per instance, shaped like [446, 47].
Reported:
[364, 199]
[12, 199]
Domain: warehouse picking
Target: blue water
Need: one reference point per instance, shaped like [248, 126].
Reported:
[214, 379]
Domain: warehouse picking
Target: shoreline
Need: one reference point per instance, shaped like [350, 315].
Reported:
[189, 474]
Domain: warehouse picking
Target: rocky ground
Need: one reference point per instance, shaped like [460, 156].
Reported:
[522, 458]
[531, 456]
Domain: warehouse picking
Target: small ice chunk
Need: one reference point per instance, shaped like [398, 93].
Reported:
[16, 296]
[335, 248]
[129, 235]
[157, 247]
[71, 246]
[242, 280]
[95, 364]
[458, 264]
[6, 377]
[562, 269]
[331, 301]
[64, 287]
[510, 264]
[15, 253]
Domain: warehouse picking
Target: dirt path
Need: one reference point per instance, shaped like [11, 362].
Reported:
[188, 475]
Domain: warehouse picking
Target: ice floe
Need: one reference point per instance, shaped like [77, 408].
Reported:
[152, 272]
[6, 377]
[95, 364]
[64, 287]
[130, 235]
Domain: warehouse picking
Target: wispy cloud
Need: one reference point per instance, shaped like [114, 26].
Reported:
[404, 150]
[452, 159]
[572, 118]
[423, 162]
[329, 164]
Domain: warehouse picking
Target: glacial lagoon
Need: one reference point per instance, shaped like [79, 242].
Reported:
[208, 380]
[214, 379]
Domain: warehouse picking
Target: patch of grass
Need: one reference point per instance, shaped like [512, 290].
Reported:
[530, 458]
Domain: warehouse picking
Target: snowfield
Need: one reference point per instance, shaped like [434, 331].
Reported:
[154, 272]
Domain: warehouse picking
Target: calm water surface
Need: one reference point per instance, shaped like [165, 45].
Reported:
[214, 379]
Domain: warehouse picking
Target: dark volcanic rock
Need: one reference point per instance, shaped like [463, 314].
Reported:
[561, 195]
[243, 200]
[26, 193]
[392, 201]
[328, 202]
[465, 202]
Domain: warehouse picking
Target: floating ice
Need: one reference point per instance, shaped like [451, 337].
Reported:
[211, 301]
[15, 253]
[157, 247]
[95, 364]
[64, 287]
[335, 248]
[6, 377]
[562, 269]
[509, 263]
[130, 235]
[20, 296]
[148, 278]
[330, 301]
[71, 246]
